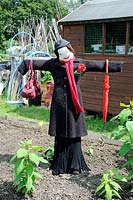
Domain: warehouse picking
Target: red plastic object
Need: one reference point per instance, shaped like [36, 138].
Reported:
[106, 93]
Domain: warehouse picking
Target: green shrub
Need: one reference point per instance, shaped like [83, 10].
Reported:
[125, 131]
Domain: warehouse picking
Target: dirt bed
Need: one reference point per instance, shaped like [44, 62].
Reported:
[62, 187]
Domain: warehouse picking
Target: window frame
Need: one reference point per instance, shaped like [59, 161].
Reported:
[128, 23]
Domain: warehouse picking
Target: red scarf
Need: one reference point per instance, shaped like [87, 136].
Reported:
[72, 84]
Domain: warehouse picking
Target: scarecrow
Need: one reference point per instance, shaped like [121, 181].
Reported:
[67, 121]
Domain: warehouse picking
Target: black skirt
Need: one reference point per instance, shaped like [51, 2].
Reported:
[68, 156]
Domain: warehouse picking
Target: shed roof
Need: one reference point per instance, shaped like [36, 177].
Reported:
[100, 10]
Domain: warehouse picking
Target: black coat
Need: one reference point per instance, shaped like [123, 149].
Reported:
[64, 121]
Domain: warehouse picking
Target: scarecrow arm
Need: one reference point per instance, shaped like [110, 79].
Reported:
[100, 66]
[38, 64]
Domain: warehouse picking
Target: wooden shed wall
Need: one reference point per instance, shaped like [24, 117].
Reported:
[121, 84]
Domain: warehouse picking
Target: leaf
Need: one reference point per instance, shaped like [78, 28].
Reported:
[29, 169]
[17, 179]
[121, 178]
[115, 185]
[130, 160]
[118, 137]
[124, 114]
[27, 143]
[105, 176]
[29, 184]
[129, 126]
[49, 152]
[102, 192]
[108, 192]
[121, 128]
[20, 186]
[43, 160]
[22, 153]
[38, 148]
[126, 164]
[24, 190]
[131, 102]
[34, 158]
[124, 105]
[114, 118]
[38, 175]
[19, 166]
[124, 149]
[13, 159]
[119, 133]
[102, 185]
[130, 174]
[114, 170]
[115, 193]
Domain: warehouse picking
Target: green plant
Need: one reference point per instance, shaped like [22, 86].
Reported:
[49, 152]
[90, 151]
[46, 76]
[108, 187]
[125, 131]
[41, 123]
[25, 163]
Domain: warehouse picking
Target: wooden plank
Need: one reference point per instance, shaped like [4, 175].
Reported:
[73, 29]
[113, 91]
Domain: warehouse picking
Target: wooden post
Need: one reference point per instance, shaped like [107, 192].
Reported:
[127, 37]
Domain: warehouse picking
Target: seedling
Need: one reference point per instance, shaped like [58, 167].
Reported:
[49, 152]
[26, 161]
[108, 187]
[41, 123]
[90, 151]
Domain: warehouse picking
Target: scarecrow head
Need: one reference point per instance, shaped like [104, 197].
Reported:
[64, 50]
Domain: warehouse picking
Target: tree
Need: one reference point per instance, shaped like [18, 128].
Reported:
[14, 12]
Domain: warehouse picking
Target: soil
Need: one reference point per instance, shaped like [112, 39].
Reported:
[61, 187]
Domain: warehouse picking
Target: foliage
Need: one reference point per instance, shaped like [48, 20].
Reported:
[46, 76]
[73, 4]
[108, 187]
[49, 152]
[25, 163]
[125, 130]
[14, 13]
[3, 56]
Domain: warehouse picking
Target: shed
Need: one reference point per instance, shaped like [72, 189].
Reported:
[99, 30]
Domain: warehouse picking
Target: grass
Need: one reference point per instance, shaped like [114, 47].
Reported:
[37, 114]
[32, 113]
[98, 126]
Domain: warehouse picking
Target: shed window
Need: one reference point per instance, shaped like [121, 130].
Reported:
[93, 38]
[115, 37]
[130, 49]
